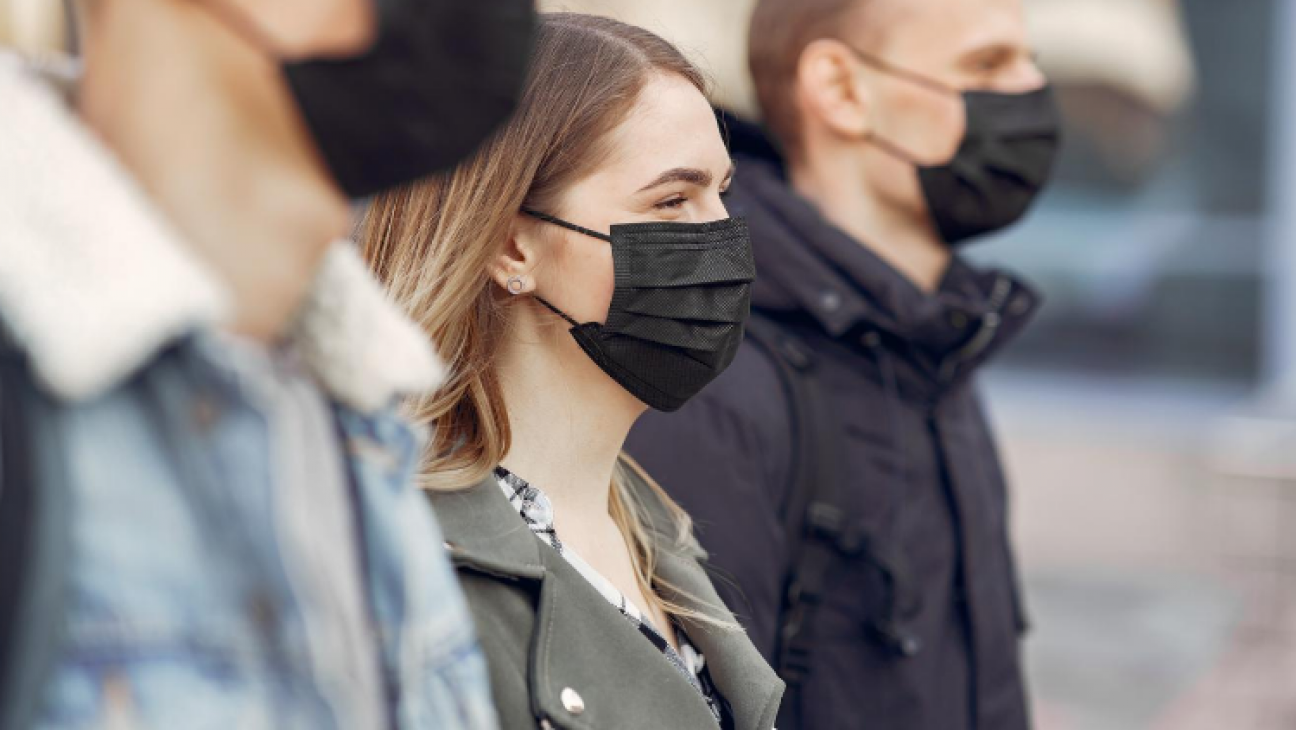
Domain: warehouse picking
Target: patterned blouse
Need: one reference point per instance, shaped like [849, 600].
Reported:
[537, 511]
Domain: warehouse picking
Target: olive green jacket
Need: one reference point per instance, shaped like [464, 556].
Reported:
[562, 657]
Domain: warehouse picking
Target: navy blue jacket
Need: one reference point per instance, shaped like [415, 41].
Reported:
[920, 465]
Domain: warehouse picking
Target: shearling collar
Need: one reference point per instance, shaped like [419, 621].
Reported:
[93, 281]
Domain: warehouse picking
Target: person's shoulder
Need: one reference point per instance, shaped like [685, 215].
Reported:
[750, 390]
[737, 427]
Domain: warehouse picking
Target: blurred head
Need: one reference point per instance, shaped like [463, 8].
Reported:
[385, 91]
[845, 77]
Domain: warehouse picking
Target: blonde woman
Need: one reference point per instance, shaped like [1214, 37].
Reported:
[579, 270]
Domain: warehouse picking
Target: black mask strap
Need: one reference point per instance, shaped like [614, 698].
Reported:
[557, 311]
[905, 74]
[571, 227]
[564, 224]
[894, 150]
[236, 21]
[912, 77]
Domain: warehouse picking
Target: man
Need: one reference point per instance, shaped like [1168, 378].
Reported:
[841, 473]
[206, 519]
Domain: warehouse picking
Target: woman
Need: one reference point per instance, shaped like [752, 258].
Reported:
[578, 270]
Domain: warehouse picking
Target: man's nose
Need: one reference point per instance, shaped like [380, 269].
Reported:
[1021, 77]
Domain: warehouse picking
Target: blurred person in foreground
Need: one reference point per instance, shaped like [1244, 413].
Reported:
[581, 268]
[207, 514]
[842, 473]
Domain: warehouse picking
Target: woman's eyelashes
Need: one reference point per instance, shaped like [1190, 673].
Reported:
[672, 203]
[675, 202]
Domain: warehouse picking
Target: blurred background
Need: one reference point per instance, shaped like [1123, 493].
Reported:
[1149, 416]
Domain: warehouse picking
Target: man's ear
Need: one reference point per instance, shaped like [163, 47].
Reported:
[829, 91]
[513, 267]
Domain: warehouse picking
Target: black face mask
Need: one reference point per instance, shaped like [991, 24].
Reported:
[999, 169]
[440, 77]
[679, 309]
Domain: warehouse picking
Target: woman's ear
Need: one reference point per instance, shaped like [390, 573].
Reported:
[829, 92]
[512, 268]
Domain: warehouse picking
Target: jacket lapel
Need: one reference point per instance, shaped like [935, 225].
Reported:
[482, 530]
[583, 645]
[738, 670]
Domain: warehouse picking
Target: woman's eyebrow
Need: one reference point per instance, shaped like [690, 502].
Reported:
[691, 175]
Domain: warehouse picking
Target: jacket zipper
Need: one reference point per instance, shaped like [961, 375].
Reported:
[985, 334]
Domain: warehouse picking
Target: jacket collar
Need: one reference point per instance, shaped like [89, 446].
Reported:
[94, 282]
[485, 533]
[809, 269]
[482, 528]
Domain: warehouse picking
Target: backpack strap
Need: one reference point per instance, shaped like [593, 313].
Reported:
[818, 524]
[810, 514]
[35, 541]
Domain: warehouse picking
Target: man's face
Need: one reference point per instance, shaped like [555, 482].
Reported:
[296, 29]
[961, 44]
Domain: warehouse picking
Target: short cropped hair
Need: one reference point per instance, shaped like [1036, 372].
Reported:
[780, 31]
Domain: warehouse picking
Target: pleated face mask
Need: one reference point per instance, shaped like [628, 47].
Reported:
[1001, 165]
[679, 308]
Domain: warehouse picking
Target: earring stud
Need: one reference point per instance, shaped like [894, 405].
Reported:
[516, 285]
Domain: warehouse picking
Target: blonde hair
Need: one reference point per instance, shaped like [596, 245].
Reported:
[431, 243]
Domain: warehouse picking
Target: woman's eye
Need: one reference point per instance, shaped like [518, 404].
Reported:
[672, 203]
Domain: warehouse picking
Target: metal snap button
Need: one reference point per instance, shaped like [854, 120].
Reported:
[830, 300]
[572, 701]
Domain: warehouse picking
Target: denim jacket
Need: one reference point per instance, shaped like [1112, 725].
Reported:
[177, 609]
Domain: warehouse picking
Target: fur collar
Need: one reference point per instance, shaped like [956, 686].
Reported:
[93, 283]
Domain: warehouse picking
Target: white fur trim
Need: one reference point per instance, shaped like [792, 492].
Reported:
[357, 342]
[93, 283]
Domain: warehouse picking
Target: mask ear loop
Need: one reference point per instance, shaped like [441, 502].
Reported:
[912, 77]
[557, 311]
[571, 227]
[564, 224]
[237, 22]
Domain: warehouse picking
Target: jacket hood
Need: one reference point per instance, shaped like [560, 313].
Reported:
[94, 281]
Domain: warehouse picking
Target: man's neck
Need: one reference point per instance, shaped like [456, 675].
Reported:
[203, 122]
[913, 248]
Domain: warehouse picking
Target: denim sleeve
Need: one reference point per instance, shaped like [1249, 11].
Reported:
[442, 660]
[430, 647]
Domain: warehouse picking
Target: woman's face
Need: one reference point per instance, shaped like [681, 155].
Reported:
[667, 163]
